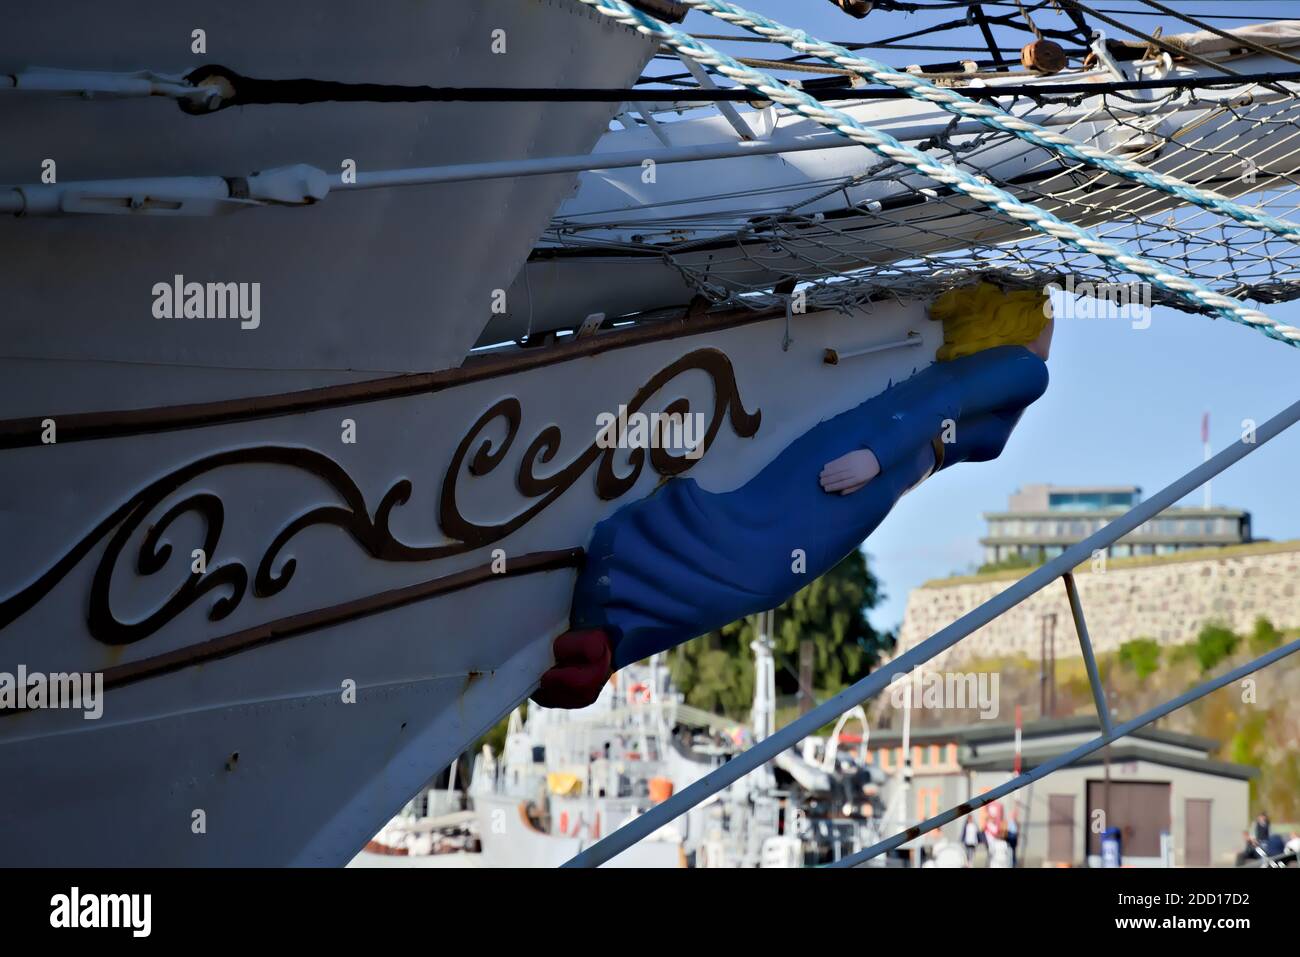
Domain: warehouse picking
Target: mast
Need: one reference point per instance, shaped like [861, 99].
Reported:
[764, 711]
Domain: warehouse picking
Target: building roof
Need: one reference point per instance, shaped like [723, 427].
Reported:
[1174, 511]
[985, 732]
[1070, 489]
[1130, 539]
[1217, 553]
[1225, 769]
[1036, 737]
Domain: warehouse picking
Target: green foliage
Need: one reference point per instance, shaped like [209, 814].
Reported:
[714, 674]
[1141, 655]
[1247, 745]
[1265, 637]
[716, 671]
[1010, 564]
[1213, 644]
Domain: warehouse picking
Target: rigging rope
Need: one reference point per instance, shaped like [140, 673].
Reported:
[1153, 39]
[985, 193]
[1243, 41]
[991, 115]
[239, 90]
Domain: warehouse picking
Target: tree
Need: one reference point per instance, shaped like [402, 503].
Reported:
[716, 671]
[1213, 644]
[1265, 637]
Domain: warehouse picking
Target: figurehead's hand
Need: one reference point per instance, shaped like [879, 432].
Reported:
[850, 472]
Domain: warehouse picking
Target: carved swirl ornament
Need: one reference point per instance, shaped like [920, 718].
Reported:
[229, 579]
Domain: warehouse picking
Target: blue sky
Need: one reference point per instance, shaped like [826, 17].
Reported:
[1124, 406]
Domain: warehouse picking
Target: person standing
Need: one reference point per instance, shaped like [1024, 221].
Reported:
[970, 838]
[1013, 834]
[995, 836]
[1250, 850]
[1263, 827]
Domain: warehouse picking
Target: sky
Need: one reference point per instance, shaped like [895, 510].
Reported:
[1124, 406]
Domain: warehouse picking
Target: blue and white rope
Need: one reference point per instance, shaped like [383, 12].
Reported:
[991, 196]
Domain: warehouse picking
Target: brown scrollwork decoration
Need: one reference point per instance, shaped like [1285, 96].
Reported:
[231, 580]
[727, 405]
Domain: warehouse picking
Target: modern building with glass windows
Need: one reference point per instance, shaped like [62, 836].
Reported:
[1041, 521]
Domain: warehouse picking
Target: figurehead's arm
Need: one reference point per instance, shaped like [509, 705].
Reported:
[1002, 379]
[967, 410]
[1005, 378]
[979, 438]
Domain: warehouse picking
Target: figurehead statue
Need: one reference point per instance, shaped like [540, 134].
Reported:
[684, 561]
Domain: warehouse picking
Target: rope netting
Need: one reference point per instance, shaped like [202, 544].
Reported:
[886, 227]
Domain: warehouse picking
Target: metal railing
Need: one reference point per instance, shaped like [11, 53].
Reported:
[1061, 567]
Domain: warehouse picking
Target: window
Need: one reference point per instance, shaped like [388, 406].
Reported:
[1089, 501]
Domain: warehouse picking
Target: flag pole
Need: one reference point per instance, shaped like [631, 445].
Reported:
[1205, 441]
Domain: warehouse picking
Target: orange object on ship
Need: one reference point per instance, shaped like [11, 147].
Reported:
[661, 789]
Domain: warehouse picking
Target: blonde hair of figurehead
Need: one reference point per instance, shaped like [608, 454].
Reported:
[983, 316]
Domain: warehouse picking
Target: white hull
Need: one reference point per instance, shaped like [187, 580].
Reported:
[253, 730]
[375, 281]
[510, 840]
[245, 753]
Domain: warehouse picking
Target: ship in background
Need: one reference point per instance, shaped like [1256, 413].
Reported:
[565, 778]
[318, 537]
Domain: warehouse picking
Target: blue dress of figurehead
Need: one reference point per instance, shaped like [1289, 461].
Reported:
[683, 561]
